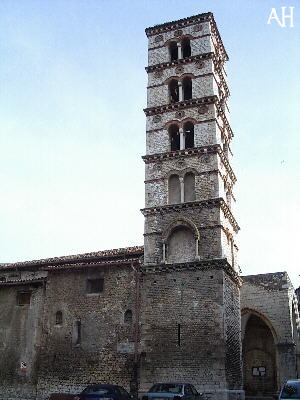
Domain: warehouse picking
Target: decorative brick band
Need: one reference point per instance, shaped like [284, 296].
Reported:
[218, 202]
[216, 148]
[170, 64]
[180, 105]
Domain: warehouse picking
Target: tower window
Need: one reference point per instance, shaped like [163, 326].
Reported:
[174, 189]
[128, 317]
[186, 48]
[174, 91]
[189, 187]
[189, 135]
[174, 137]
[173, 49]
[187, 88]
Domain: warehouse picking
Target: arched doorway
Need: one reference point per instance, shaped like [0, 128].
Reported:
[259, 357]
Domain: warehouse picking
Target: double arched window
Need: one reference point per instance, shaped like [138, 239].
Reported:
[181, 138]
[181, 188]
[180, 49]
[180, 90]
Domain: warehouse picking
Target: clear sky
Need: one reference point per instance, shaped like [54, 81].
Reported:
[72, 127]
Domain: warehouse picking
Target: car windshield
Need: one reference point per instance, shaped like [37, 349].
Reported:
[291, 390]
[97, 390]
[166, 388]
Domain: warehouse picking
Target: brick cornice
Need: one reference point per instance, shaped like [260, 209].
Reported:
[215, 148]
[210, 203]
[181, 23]
[180, 105]
[17, 282]
[150, 111]
[202, 265]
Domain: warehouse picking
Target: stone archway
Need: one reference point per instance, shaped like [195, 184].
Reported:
[259, 357]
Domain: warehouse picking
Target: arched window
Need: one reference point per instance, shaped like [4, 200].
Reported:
[174, 137]
[174, 91]
[128, 317]
[174, 190]
[186, 48]
[187, 88]
[173, 49]
[189, 135]
[58, 318]
[189, 187]
[181, 245]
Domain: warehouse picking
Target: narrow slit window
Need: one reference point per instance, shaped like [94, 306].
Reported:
[128, 317]
[77, 333]
[58, 318]
[179, 335]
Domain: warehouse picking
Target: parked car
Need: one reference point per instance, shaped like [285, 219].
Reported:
[290, 390]
[103, 392]
[173, 391]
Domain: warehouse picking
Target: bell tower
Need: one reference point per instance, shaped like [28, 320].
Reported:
[190, 324]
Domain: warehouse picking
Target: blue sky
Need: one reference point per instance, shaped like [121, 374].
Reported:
[72, 129]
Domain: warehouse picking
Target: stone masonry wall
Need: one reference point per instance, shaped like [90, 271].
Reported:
[20, 331]
[104, 352]
[182, 332]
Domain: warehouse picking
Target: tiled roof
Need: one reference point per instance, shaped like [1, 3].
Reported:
[106, 256]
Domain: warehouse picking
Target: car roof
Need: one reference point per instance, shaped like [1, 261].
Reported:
[99, 385]
[171, 383]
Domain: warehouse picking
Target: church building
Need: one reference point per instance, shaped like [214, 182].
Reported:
[175, 309]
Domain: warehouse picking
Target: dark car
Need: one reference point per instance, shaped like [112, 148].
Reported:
[104, 392]
[174, 391]
[290, 390]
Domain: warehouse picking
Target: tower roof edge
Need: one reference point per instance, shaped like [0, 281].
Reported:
[180, 23]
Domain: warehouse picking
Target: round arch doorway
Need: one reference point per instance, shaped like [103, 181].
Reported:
[259, 356]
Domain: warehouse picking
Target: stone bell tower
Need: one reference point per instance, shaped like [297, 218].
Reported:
[190, 324]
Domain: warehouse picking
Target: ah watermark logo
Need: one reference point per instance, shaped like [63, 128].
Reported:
[286, 16]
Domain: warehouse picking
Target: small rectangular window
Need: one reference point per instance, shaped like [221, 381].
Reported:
[23, 298]
[95, 285]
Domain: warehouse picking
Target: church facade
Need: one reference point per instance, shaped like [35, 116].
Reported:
[175, 309]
